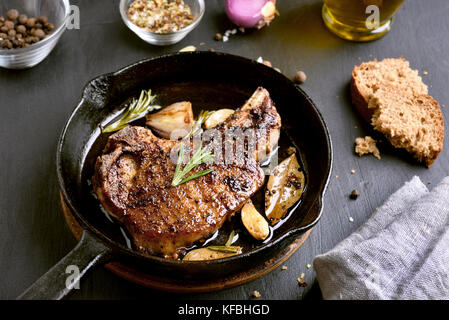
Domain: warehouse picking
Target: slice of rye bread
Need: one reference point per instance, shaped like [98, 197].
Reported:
[370, 76]
[393, 98]
[413, 122]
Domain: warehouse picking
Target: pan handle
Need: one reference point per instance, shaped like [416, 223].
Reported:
[65, 275]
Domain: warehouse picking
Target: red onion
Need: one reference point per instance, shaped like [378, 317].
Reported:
[251, 13]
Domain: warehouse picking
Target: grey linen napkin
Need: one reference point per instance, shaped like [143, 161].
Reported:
[400, 252]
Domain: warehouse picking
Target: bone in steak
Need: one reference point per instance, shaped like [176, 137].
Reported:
[133, 181]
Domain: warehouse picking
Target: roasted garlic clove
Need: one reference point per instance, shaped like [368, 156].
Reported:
[209, 254]
[217, 117]
[254, 222]
[173, 121]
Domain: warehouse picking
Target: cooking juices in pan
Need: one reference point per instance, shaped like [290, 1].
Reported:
[116, 231]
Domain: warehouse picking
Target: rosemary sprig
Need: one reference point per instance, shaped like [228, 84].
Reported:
[198, 158]
[227, 247]
[232, 249]
[136, 110]
[231, 237]
[196, 128]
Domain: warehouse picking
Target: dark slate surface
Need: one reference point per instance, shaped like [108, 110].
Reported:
[36, 103]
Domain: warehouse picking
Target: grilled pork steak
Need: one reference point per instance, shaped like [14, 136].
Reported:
[133, 180]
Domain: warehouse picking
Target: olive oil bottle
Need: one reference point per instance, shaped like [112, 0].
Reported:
[360, 20]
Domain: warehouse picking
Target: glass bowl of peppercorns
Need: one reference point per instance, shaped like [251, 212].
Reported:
[162, 22]
[29, 30]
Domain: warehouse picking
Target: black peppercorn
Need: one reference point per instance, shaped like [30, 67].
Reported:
[8, 44]
[21, 29]
[9, 25]
[12, 14]
[42, 19]
[354, 195]
[31, 22]
[39, 33]
[49, 26]
[300, 77]
[23, 19]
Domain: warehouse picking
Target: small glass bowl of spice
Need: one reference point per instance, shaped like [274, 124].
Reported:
[29, 30]
[162, 22]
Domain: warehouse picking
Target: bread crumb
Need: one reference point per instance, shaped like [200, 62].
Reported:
[302, 283]
[256, 294]
[302, 276]
[352, 171]
[351, 219]
[309, 266]
[425, 73]
[366, 145]
[267, 63]
[284, 267]
[337, 176]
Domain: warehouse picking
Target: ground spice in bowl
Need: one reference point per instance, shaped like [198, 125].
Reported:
[160, 16]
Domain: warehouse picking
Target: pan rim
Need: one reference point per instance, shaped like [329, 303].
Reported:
[118, 248]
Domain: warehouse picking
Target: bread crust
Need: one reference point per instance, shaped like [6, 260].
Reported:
[440, 128]
[358, 100]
